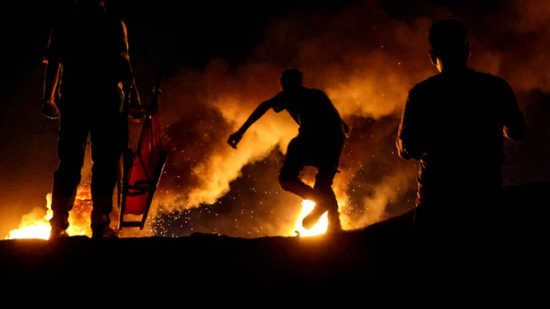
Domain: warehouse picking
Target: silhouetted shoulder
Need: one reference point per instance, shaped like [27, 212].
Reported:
[426, 84]
[486, 78]
[469, 78]
[278, 102]
[294, 99]
[505, 102]
[315, 92]
[424, 88]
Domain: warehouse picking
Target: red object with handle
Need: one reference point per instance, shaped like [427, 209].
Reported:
[142, 169]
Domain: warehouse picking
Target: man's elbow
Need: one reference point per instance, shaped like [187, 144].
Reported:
[404, 155]
[515, 132]
[264, 107]
[404, 152]
[52, 66]
[515, 135]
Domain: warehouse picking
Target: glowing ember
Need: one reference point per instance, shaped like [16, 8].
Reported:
[319, 228]
[81, 214]
[37, 223]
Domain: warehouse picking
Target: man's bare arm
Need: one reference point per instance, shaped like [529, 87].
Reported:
[51, 79]
[407, 140]
[514, 123]
[515, 130]
[405, 149]
[132, 101]
[235, 138]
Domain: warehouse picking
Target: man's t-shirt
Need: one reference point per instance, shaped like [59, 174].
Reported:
[92, 49]
[312, 110]
[454, 124]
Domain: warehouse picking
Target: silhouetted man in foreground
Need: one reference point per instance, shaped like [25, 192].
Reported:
[319, 143]
[454, 124]
[88, 52]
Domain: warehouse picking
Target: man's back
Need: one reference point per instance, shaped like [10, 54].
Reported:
[454, 124]
[458, 118]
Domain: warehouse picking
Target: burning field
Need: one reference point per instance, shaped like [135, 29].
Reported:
[365, 57]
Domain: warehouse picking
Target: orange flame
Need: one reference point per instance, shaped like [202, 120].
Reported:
[36, 224]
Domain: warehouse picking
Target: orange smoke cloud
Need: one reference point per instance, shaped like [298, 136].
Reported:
[366, 61]
[364, 67]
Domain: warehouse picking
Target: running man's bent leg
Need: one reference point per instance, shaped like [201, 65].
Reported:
[288, 177]
[289, 180]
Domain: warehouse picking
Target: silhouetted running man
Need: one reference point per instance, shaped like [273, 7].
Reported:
[88, 52]
[319, 144]
[454, 124]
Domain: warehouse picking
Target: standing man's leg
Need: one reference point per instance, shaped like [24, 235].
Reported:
[431, 246]
[73, 136]
[107, 136]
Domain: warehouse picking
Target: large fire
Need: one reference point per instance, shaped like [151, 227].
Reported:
[36, 224]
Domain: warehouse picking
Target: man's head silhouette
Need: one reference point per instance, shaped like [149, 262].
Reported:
[448, 41]
[291, 79]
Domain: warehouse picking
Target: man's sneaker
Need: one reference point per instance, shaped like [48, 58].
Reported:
[105, 232]
[313, 217]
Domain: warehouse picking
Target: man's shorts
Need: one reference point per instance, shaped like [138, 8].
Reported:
[320, 152]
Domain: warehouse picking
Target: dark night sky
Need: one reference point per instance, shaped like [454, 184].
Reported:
[168, 36]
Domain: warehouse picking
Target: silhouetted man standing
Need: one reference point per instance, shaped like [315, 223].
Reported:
[88, 52]
[454, 124]
[319, 144]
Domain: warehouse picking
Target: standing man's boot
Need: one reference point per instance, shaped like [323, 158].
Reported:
[100, 224]
[59, 224]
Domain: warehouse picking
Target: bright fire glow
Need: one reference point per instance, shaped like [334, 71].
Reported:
[36, 224]
[319, 228]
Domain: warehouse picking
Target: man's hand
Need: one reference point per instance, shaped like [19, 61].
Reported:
[235, 138]
[49, 109]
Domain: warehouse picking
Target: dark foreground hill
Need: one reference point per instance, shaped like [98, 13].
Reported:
[373, 267]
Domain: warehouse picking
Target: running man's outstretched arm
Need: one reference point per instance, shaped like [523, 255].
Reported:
[236, 137]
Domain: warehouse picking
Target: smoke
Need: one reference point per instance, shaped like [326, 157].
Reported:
[366, 59]
[512, 42]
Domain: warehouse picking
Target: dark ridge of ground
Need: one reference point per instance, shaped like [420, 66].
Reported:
[373, 267]
[214, 270]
